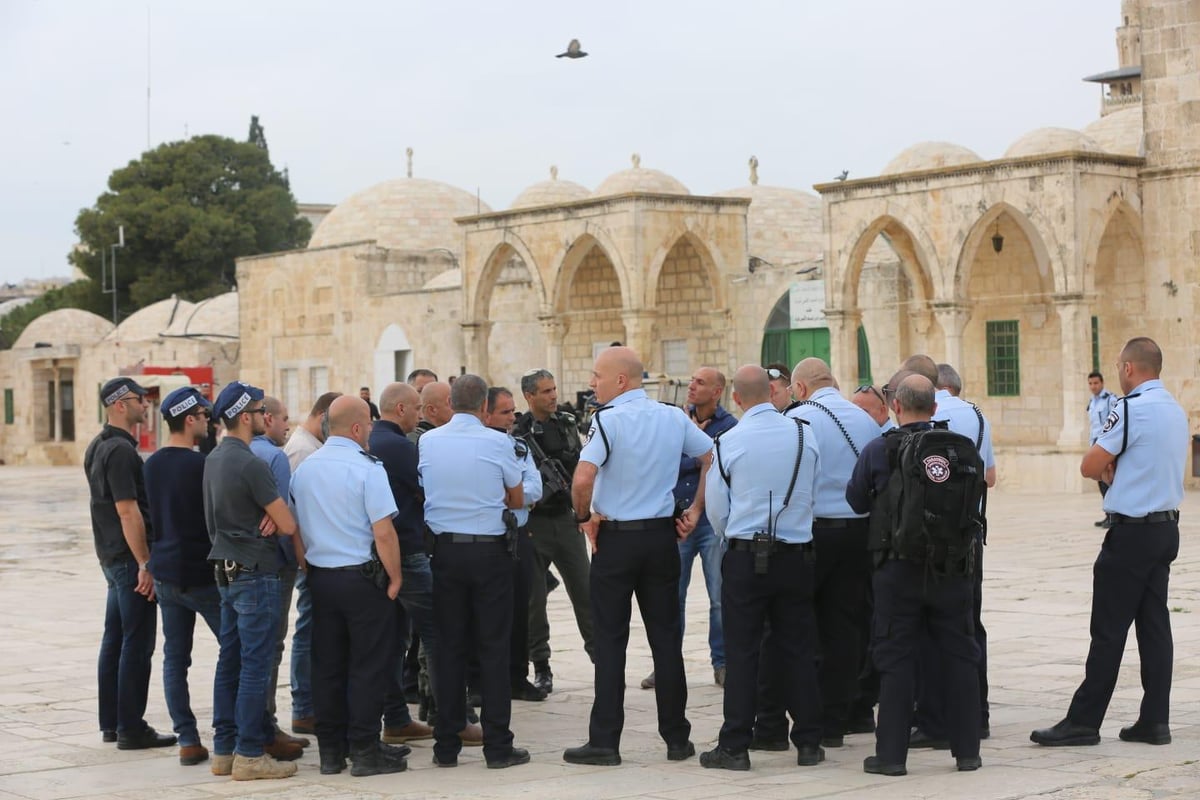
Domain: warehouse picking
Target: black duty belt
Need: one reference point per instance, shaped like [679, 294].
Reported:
[635, 525]
[839, 522]
[1156, 516]
[470, 538]
[776, 547]
[354, 567]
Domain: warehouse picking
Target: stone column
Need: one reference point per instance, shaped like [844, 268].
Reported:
[952, 317]
[1075, 324]
[56, 413]
[843, 345]
[553, 332]
[475, 346]
[639, 333]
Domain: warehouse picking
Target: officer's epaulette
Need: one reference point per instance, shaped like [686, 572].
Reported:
[367, 455]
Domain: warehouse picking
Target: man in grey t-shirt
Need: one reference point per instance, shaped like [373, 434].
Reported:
[243, 510]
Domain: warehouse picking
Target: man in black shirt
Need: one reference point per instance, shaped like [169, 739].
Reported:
[183, 578]
[238, 489]
[365, 394]
[120, 528]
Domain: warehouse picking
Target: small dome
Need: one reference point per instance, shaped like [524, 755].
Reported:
[216, 317]
[62, 327]
[150, 322]
[1050, 140]
[636, 179]
[784, 226]
[403, 214]
[930, 155]
[550, 193]
[1119, 132]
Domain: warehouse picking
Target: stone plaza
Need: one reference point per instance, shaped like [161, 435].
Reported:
[1036, 604]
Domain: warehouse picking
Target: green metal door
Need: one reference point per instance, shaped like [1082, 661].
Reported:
[791, 346]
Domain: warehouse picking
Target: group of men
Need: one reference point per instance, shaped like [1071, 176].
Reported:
[433, 527]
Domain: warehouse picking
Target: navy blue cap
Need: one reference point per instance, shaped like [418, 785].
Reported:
[118, 389]
[183, 401]
[234, 398]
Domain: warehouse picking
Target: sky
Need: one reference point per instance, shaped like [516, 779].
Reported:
[342, 88]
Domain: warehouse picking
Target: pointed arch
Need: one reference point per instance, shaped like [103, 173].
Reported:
[1050, 272]
[496, 261]
[1117, 210]
[708, 262]
[574, 256]
[910, 243]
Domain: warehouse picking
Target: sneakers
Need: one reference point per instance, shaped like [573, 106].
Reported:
[222, 765]
[192, 754]
[261, 768]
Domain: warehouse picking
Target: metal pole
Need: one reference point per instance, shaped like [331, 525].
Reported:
[114, 283]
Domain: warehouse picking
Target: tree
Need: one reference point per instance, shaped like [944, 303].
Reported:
[188, 210]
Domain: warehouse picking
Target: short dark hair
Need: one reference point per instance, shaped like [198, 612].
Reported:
[1145, 352]
[323, 403]
[420, 372]
[529, 380]
[175, 424]
[494, 393]
[468, 393]
[1094, 374]
[364, 388]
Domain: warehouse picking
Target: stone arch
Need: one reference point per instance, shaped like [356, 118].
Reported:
[708, 263]
[1115, 277]
[509, 298]
[574, 256]
[591, 296]
[911, 244]
[393, 358]
[1117, 210]
[968, 244]
[494, 266]
[683, 289]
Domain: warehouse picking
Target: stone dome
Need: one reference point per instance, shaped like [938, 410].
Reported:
[1119, 132]
[784, 226]
[64, 327]
[216, 317]
[402, 214]
[637, 179]
[930, 155]
[1050, 140]
[150, 322]
[550, 193]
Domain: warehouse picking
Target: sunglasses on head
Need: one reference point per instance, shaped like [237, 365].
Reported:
[866, 387]
[776, 375]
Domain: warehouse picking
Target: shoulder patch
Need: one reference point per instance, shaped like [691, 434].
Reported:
[1111, 421]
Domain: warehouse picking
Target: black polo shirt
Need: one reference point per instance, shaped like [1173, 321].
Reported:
[174, 484]
[238, 486]
[399, 456]
[114, 472]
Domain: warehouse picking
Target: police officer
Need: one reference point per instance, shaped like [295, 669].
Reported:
[345, 507]
[1099, 406]
[909, 601]
[471, 476]
[183, 578]
[121, 530]
[759, 498]
[501, 414]
[238, 489]
[841, 430]
[627, 472]
[556, 538]
[1141, 454]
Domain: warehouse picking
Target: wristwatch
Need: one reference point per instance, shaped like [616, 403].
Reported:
[143, 566]
[581, 520]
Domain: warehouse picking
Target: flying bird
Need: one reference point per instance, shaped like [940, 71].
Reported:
[573, 51]
[845, 174]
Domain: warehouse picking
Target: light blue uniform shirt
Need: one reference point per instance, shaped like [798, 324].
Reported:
[645, 439]
[465, 468]
[1149, 474]
[531, 482]
[961, 418]
[1098, 408]
[759, 455]
[338, 493]
[837, 459]
[276, 459]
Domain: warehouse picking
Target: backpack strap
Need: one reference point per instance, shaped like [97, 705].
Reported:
[836, 421]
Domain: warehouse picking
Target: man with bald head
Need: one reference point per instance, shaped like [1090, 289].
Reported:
[760, 500]
[841, 430]
[910, 603]
[624, 503]
[345, 510]
[434, 410]
[399, 406]
[703, 408]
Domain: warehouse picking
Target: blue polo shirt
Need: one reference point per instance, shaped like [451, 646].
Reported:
[339, 492]
[759, 457]
[960, 417]
[277, 460]
[637, 455]
[837, 456]
[465, 468]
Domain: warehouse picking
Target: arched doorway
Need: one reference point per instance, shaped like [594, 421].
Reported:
[511, 303]
[590, 308]
[686, 303]
[393, 358]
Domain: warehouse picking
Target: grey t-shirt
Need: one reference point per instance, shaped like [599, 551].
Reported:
[238, 486]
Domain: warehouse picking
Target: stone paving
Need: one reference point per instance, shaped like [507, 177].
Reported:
[1036, 609]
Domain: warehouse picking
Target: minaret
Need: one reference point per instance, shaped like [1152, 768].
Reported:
[1122, 87]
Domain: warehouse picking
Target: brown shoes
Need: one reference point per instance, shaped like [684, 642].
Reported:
[411, 732]
[304, 725]
[280, 736]
[472, 736]
[283, 751]
[192, 754]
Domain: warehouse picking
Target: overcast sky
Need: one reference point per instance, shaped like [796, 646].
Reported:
[694, 86]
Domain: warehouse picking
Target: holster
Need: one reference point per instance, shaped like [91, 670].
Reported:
[219, 574]
[511, 532]
[374, 571]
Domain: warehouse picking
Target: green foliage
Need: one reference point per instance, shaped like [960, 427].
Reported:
[189, 209]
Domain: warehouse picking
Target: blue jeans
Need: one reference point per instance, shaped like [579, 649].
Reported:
[126, 650]
[416, 598]
[249, 620]
[710, 547]
[179, 608]
[302, 701]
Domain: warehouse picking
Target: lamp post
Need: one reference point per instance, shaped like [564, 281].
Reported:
[110, 286]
